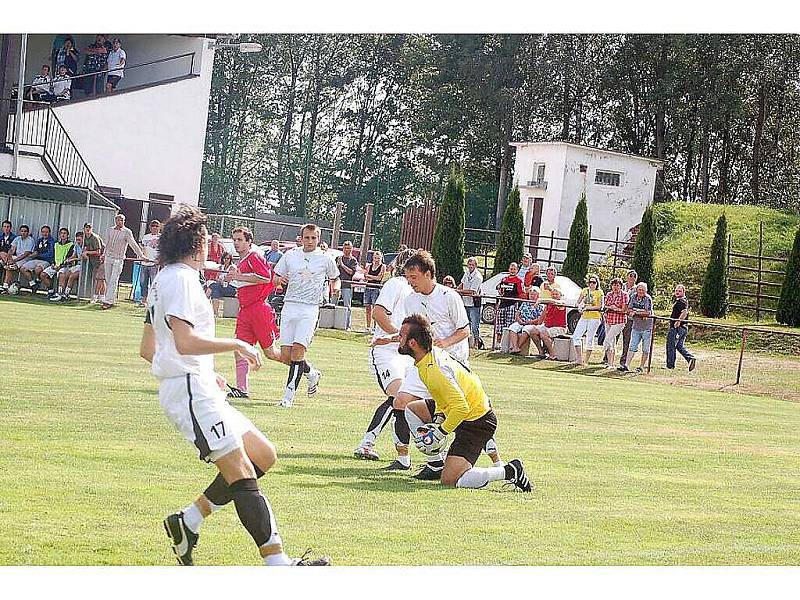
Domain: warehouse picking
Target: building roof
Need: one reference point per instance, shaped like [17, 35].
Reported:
[53, 192]
[647, 158]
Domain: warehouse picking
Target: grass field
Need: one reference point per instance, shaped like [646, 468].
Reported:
[626, 471]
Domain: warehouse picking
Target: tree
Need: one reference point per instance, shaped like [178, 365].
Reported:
[714, 297]
[789, 304]
[510, 245]
[645, 248]
[448, 237]
[576, 263]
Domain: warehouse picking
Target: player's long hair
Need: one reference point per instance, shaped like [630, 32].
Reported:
[400, 261]
[182, 236]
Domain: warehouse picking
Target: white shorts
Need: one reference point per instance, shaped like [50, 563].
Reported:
[298, 323]
[67, 269]
[388, 365]
[413, 385]
[30, 265]
[198, 409]
[516, 327]
[553, 332]
[50, 271]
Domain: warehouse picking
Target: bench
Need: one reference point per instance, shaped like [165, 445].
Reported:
[563, 347]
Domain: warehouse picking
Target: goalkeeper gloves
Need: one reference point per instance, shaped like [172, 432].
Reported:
[430, 439]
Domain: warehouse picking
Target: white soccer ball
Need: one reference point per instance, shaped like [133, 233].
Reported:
[13, 289]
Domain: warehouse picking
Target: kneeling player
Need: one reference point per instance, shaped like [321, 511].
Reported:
[178, 339]
[459, 406]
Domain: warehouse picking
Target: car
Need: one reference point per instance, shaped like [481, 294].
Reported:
[570, 292]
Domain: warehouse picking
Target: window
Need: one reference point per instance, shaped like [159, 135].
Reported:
[538, 172]
[607, 178]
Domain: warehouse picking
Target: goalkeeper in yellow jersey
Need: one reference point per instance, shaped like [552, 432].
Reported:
[459, 406]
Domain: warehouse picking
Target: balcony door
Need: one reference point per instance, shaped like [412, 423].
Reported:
[535, 227]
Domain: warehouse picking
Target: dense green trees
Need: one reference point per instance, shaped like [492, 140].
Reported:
[714, 297]
[576, 263]
[448, 237]
[789, 304]
[644, 250]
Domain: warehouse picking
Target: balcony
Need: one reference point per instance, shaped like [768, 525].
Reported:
[538, 184]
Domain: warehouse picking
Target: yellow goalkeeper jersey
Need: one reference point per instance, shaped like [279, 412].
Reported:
[457, 392]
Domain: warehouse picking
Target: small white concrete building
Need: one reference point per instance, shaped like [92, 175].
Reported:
[552, 176]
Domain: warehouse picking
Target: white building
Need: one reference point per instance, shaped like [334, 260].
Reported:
[552, 176]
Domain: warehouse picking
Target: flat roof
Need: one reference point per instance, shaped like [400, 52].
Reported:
[582, 147]
[52, 192]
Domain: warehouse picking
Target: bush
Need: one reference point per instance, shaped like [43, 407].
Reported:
[789, 304]
[448, 237]
[644, 250]
[576, 263]
[510, 245]
[714, 297]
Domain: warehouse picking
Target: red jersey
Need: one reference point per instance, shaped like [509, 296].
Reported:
[555, 316]
[250, 294]
[215, 255]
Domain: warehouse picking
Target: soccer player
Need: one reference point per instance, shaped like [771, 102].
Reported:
[445, 310]
[458, 405]
[255, 322]
[389, 366]
[302, 272]
[178, 339]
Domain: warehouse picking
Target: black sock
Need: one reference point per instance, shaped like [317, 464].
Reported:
[381, 417]
[510, 472]
[306, 366]
[295, 373]
[401, 429]
[252, 510]
[219, 493]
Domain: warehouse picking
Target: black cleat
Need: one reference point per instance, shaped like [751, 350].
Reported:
[183, 539]
[397, 466]
[428, 474]
[307, 561]
[234, 392]
[515, 473]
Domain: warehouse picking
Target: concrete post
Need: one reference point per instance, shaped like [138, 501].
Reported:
[337, 225]
[365, 239]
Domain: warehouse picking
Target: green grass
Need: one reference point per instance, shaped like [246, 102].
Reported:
[626, 471]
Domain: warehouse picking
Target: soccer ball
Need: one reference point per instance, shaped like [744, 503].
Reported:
[13, 289]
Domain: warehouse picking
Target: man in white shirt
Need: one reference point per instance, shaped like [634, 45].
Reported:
[179, 340]
[40, 86]
[21, 248]
[149, 268]
[62, 85]
[448, 318]
[303, 272]
[389, 366]
[118, 239]
[116, 64]
[470, 289]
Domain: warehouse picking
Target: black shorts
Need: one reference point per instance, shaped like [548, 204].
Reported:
[113, 80]
[471, 437]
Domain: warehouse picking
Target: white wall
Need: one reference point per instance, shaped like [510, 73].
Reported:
[29, 167]
[148, 140]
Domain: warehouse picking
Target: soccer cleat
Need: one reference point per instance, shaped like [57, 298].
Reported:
[34, 287]
[428, 474]
[314, 376]
[234, 392]
[396, 465]
[516, 470]
[307, 561]
[183, 539]
[366, 452]
[692, 364]
[623, 369]
[286, 402]
[55, 298]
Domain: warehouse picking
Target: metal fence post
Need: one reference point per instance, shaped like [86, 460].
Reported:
[741, 356]
[652, 342]
[552, 241]
[760, 254]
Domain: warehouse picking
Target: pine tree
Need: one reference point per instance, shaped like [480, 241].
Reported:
[576, 263]
[511, 244]
[714, 297]
[448, 237]
[644, 249]
[789, 304]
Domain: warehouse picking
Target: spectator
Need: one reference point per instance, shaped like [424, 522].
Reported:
[118, 239]
[215, 252]
[550, 325]
[348, 265]
[218, 288]
[629, 287]
[590, 304]
[677, 330]
[524, 268]
[93, 247]
[39, 89]
[470, 290]
[42, 257]
[21, 250]
[640, 309]
[116, 66]
[526, 316]
[63, 248]
[448, 281]
[549, 281]
[273, 255]
[68, 56]
[533, 277]
[374, 277]
[70, 270]
[6, 242]
[58, 44]
[62, 85]
[94, 65]
[149, 267]
[12, 249]
[298, 241]
[509, 287]
[616, 305]
[323, 246]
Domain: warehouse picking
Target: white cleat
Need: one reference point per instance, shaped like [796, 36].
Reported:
[313, 381]
[286, 402]
[366, 452]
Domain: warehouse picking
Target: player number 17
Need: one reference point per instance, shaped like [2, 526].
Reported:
[221, 426]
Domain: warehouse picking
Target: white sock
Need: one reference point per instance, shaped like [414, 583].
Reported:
[277, 560]
[368, 439]
[193, 517]
[67, 291]
[404, 460]
[499, 463]
[477, 477]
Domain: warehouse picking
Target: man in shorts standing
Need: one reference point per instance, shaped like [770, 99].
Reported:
[303, 272]
[179, 340]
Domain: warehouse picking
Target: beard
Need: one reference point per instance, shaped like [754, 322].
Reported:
[405, 351]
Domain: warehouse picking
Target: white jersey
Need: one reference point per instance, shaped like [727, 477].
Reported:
[308, 273]
[392, 298]
[445, 310]
[177, 292]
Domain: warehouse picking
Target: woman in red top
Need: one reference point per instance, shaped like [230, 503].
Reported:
[215, 252]
[510, 286]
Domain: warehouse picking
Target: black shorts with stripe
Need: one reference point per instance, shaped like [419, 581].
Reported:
[471, 437]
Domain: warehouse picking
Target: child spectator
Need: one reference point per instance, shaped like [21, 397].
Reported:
[616, 305]
[590, 304]
[40, 86]
[70, 270]
[550, 325]
[149, 268]
[116, 63]
[509, 287]
[533, 277]
[62, 85]
[524, 268]
[527, 314]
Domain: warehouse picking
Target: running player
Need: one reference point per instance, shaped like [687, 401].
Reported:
[445, 310]
[388, 366]
[458, 405]
[178, 339]
[303, 271]
[255, 322]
